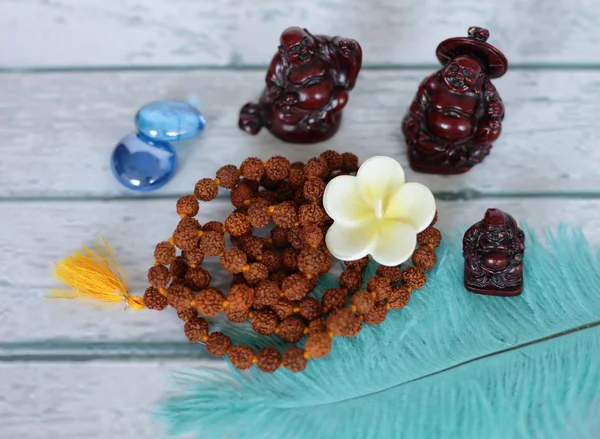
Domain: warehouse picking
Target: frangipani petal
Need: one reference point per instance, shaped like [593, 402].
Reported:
[413, 204]
[343, 201]
[395, 243]
[351, 243]
[379, 177]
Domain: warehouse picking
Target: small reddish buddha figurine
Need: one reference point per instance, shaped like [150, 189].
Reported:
[493, 249]
[457, 113]
[306, 89]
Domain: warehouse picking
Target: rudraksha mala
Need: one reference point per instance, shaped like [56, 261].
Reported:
[272, 278]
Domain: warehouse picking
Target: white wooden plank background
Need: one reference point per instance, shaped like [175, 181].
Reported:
[549, 140]
[72, 371]
[233, 33]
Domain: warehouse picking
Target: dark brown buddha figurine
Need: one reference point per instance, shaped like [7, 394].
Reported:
[307, 87]
[457, 113]
[493, 249]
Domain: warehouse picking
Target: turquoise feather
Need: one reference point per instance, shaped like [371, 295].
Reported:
[451, 364]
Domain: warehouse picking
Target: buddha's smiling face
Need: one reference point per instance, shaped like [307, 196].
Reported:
[462, 74]
[297, 45]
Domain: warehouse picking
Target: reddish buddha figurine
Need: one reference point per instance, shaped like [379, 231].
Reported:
[493, 249]
[457, 113]
[306, 89]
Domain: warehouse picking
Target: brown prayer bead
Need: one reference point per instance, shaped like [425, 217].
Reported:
[240, 194]
[206, 190]
[154, 300]
[295, 286]
[194, 256]
[233, 260]
[310, 308]
[394, 274]
[214, 226]
[266, 293]
[259, 214]
[196, 329]
[318, 344]
[359, 264]
[241, 357]
[268, 359]
[342, 322]
[197, 278]
[429, 236]
[312, 235]
[164, 253]
[313, 189]
[413, 278]
[255, 272]
[265, 322]
[283, 307]
[310, 261]
[297, 178]
[273, 261]
[228, 176]
[316, 168]
[284, 215]
[295, 238]
[376, 315]
[399, 297]
[240, 297]
[279, 237]
[236, 316]
[291, 329]
[209, 302]
[349, 162]
[159, 276]
[187, 206]
[351, 280]
[333, 160]
[186, 314]
[252, 168]
[290, 259]
[277, 168]
[179, 297]
[293, 359]
[310, 214]
[363, 301]
[237, 224]
[218, 344]
[380, 286]
[424, 258]
[334, 298]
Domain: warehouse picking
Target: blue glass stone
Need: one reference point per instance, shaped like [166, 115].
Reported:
[143, 164]
[169, 120]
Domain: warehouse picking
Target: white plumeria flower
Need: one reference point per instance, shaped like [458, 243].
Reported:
[376, 213]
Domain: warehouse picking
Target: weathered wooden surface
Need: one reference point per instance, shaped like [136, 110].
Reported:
[233, 33]
[63, 127]
[84, 400]
[68, 370]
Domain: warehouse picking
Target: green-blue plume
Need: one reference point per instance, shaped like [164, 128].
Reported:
[451, 364]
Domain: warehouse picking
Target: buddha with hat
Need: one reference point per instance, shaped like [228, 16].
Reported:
[457, 113]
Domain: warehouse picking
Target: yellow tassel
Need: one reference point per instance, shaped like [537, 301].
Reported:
[94, 274]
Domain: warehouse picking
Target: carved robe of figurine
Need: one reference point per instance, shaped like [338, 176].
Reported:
[457, 113]
[493, 249]
[306, 89]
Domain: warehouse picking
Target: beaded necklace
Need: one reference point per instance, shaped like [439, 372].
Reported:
[273, 277]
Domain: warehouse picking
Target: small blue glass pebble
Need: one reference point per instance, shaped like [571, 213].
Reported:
[143, 164]
[169, 120]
